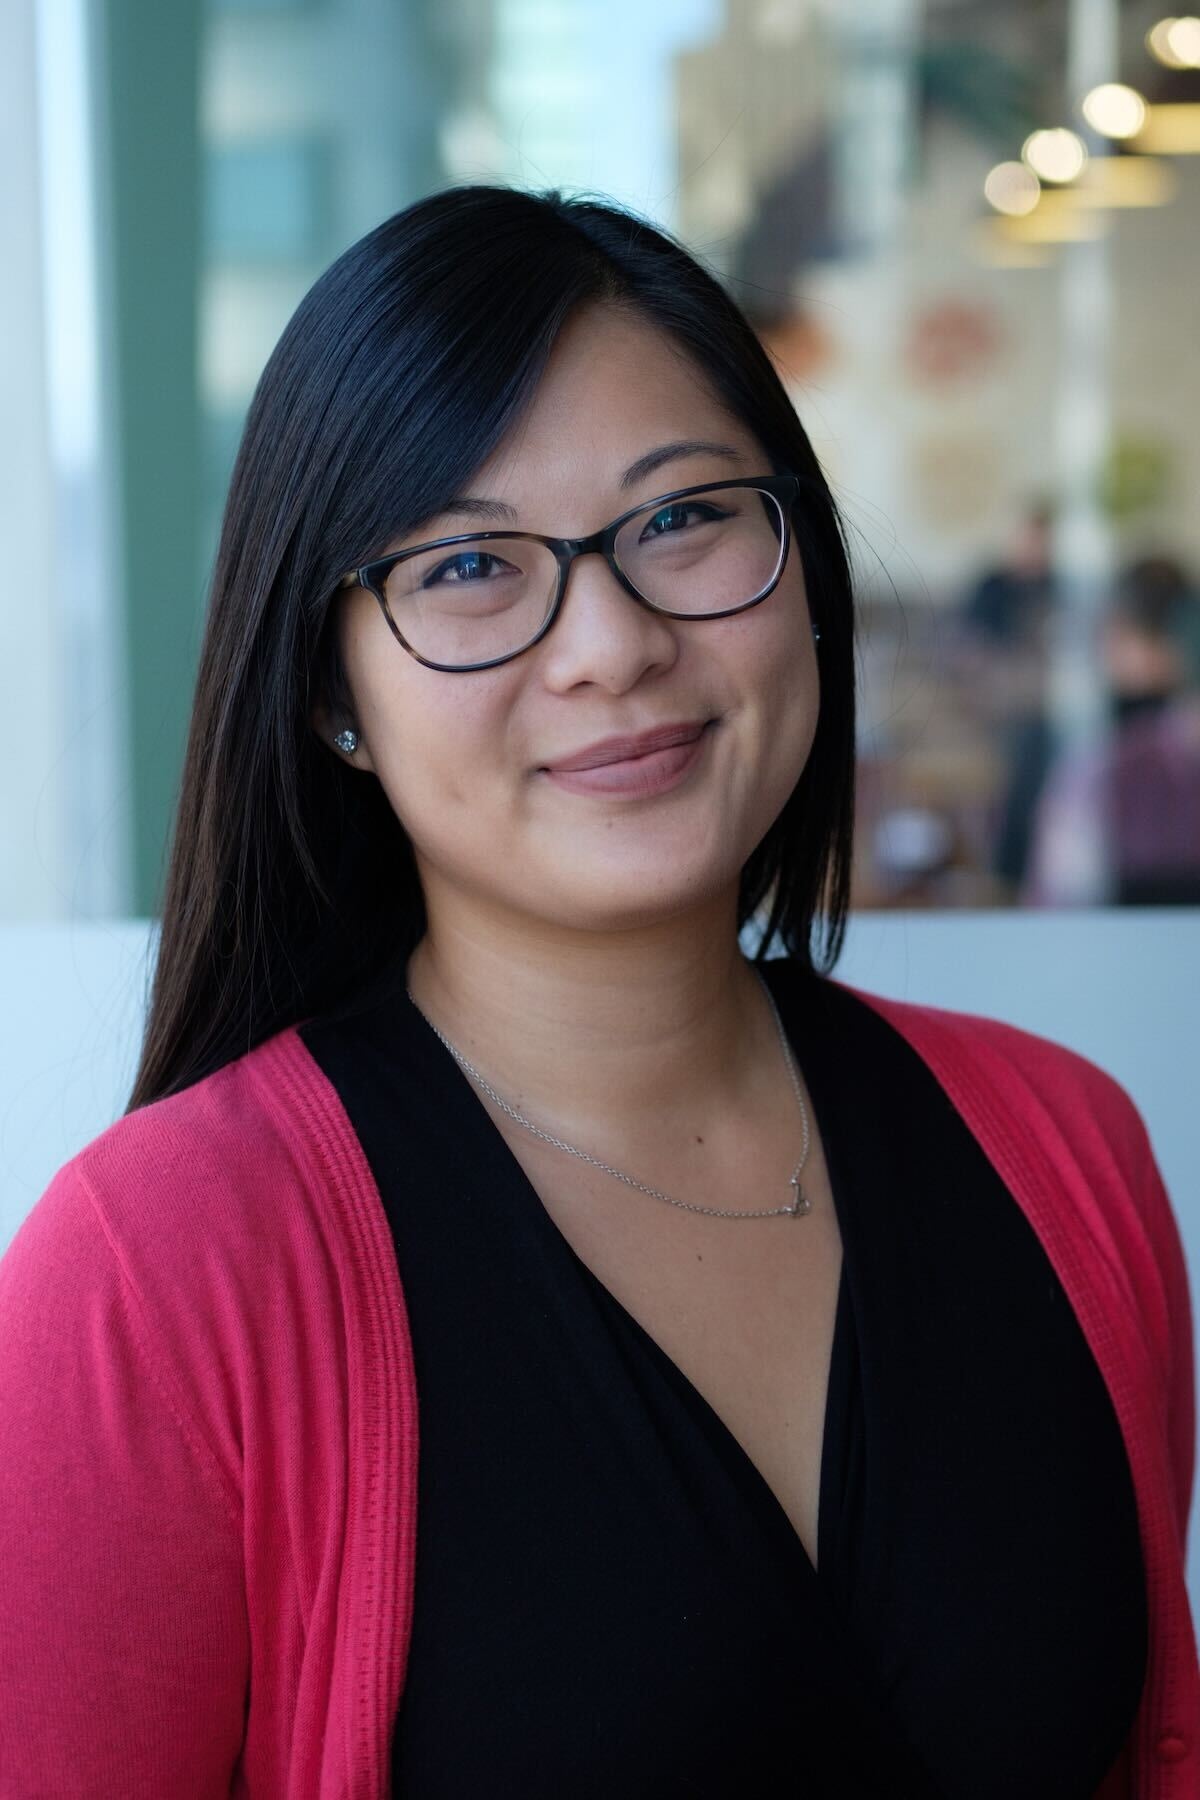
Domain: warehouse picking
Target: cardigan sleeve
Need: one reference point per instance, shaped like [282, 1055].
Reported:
[124, 1645]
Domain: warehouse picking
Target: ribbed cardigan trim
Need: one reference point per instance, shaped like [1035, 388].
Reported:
[376, 1601]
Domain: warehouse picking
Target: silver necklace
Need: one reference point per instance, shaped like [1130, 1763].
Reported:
[799, 1203]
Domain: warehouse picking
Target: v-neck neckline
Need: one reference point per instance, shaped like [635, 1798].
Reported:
[738, 1456]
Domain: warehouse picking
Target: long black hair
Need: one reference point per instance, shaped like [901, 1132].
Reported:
[290, 878]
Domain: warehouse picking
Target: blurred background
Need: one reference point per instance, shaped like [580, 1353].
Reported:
[968, 234]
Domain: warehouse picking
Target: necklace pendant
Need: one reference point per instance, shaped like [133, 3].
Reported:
[801, 1204]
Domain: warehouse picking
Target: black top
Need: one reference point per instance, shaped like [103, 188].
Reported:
[609, 1599]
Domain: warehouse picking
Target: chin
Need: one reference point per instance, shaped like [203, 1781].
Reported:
[628, 897]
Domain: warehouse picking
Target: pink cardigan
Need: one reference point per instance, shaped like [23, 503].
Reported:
[208, 1424]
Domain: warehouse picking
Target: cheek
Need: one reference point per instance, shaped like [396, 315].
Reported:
[437, 744]
[789, 725]
[792, 686]
[795, 668]
[776, 662]
[781, 685]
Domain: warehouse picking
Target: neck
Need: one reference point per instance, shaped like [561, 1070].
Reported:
[647, 1026]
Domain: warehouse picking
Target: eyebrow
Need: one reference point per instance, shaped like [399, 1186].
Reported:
[654, 459]
[499, 510]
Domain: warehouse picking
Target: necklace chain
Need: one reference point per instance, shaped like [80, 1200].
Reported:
[795, 1208]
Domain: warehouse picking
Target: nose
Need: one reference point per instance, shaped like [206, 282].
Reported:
[602, 635]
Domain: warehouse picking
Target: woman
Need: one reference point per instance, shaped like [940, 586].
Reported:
[804, 1379]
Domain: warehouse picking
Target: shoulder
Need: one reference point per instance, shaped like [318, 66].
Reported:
[963, 1039]
[232, 1132]
[204, 1209]
[1038, 1076]
[220, 1230]
[981, 1035]
[1015, 1087]
[1032, 1099]
[215, 1162]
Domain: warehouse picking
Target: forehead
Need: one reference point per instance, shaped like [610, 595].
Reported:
[614, 386]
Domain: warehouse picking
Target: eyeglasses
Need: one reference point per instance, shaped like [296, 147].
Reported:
[480, 598]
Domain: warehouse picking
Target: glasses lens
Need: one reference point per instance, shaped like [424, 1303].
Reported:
[704, 553]
[469, 602]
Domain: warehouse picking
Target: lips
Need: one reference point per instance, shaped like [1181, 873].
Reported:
[643, 766]
[628, 749]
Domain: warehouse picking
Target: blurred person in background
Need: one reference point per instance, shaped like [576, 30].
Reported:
[534, 1332]
[1143, 780]
[1004, 630]
[1008, 604]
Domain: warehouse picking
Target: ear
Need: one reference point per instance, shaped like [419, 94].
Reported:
[327, 724]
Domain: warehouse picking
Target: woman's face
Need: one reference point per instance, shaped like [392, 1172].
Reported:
[466, 759]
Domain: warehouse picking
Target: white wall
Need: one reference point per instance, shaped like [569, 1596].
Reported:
[1122, 987]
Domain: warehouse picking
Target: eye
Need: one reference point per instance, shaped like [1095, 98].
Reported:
[469, 568]
[677, 510]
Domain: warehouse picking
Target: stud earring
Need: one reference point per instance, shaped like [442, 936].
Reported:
[816, 634]
[347, 741]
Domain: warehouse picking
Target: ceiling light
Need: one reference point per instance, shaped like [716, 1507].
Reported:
[1175, 42]
[1012, 188]
[1115, 111]
[1057, 155]
[1183, 38]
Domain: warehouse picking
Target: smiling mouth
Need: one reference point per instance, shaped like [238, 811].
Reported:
[629, 749]
[636, 768]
